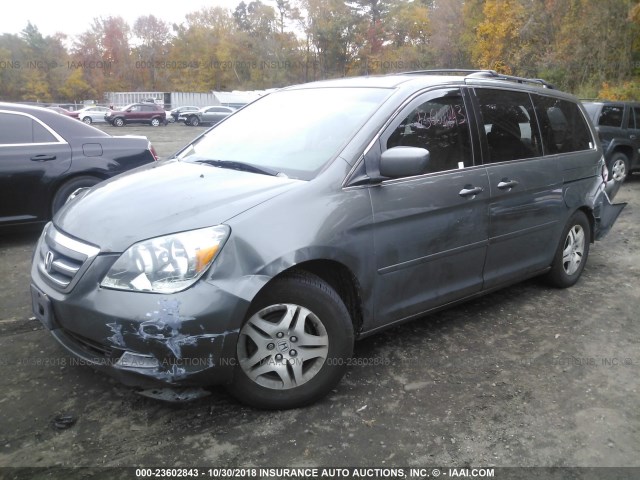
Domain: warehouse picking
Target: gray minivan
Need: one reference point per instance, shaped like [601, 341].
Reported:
[317, 215]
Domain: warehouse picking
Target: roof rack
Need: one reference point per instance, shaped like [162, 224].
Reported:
[482, 74]
[442, 71]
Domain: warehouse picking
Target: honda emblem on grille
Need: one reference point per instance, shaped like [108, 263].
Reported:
[48, 261]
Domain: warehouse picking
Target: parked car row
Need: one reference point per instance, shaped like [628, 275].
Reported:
[258, 254]
[149, 113]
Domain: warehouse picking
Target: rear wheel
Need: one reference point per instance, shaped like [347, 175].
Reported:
[67, 188]
[295, 344]
[619, 167]
[572, 252]
[155, 122]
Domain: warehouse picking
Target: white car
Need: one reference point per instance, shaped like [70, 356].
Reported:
[92, 114]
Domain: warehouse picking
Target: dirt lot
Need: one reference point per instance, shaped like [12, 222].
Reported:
[529, 376]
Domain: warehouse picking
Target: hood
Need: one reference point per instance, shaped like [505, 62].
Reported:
[164, 198]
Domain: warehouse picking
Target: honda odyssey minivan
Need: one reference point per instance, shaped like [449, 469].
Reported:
[318, 215]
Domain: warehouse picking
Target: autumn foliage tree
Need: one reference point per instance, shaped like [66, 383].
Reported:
[589, 47]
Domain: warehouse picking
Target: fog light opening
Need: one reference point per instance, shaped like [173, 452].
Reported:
[137, 360]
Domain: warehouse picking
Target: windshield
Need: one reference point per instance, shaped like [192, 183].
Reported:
[295, 132]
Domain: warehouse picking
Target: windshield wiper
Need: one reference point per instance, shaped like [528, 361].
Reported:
[243, 167]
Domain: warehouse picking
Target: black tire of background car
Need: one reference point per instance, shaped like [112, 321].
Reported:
[68, 187]
[557, 276]
[310, 291]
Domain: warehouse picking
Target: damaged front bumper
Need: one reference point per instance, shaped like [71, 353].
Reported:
[142, 339]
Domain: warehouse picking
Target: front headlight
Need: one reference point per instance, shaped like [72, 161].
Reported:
[167, 264]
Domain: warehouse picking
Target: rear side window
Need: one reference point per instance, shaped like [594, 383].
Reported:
[20, 129]
[563, 127]
[41, 134]
[439, 125]
[509, 124]
[15, 129]
[611, 116]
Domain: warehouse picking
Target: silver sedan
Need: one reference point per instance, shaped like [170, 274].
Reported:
[92, 114]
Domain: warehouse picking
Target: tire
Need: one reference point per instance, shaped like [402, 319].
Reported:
[618, 167]
[67, 188]
[118, 122]
[572, 253]
[87, 120]
[195, 121]
[274, 369]
[155, 122]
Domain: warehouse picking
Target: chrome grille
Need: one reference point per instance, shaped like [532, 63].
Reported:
[62, 260]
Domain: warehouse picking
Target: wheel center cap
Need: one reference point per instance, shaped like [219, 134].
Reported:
[283, 346]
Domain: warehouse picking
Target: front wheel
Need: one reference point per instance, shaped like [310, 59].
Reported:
[87, 120]
[295, 344]
[572, 252]
[195, 121]
[118, 122]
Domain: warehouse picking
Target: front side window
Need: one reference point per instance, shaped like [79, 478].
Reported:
[611, 116]
[439, 125]
[564, 128]
[509, 125]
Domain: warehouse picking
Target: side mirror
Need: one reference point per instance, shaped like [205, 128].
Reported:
[404, 162]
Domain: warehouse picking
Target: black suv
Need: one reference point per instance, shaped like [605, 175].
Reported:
[618, 125]
[150, 113]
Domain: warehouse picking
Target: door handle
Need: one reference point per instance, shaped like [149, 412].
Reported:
[632, 137]
[469, 191]
[43, 158]
[507, 184]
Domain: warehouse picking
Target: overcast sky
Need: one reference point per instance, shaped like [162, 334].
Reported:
[73, 17]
